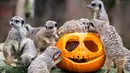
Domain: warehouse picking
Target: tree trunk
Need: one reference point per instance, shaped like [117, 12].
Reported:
[20, 8]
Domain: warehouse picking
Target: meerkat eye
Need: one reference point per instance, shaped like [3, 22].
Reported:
[22, 22]
[17, 21]
[93, 4]
[100, 6]
[56, 25]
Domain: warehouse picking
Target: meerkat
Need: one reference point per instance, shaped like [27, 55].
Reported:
[112, 43]
[44, 62]
[32, 31]
[99, 10]
[29, 52]
[46, 36]
[11, 48]
[74, 25]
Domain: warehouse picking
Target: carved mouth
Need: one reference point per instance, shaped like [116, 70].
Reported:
[78, 60]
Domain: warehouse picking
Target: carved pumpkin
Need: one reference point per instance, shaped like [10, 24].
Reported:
[81, 52]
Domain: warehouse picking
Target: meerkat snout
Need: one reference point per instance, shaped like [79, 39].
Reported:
[56, 55]
[56, 52]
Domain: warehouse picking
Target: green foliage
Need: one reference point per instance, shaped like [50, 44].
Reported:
[9, 69]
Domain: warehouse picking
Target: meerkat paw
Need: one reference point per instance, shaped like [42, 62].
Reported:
[13, 64]
[47, 41]
[8, 60]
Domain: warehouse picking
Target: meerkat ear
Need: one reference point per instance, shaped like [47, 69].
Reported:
[100, 6]
[56, 25]
[27, 28]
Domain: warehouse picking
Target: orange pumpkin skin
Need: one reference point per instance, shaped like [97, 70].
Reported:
[85, 57]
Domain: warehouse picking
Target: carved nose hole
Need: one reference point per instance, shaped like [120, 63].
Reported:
[90, 45]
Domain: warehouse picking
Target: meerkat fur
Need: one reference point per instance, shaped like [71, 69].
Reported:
[1, 47]
[44, 62]
[112, 43]
[29, 52]
[99, 10]
[32, 31]
[79, 25]
[11, 48]
[46, 36]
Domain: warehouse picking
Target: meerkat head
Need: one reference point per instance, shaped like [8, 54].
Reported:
[17, 22]
[96, 25]
[27, 59]
[51, 26]
[53, 52]
[28, 27]
[96, 5]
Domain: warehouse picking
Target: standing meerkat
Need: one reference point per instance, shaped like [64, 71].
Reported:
[74, 26]
[100, 13]
[112, 43]
[29, 52]
[46, 36]
[11, 48]
[99, 10]
[44, 62]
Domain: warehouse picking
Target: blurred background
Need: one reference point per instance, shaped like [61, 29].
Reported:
[37, 12]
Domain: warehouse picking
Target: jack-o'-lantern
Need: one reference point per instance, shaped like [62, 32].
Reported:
[81, 52]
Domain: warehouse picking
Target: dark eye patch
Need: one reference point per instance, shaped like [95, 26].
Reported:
[91, 24]
[17, 21]
[84, 23]
[93, 4]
